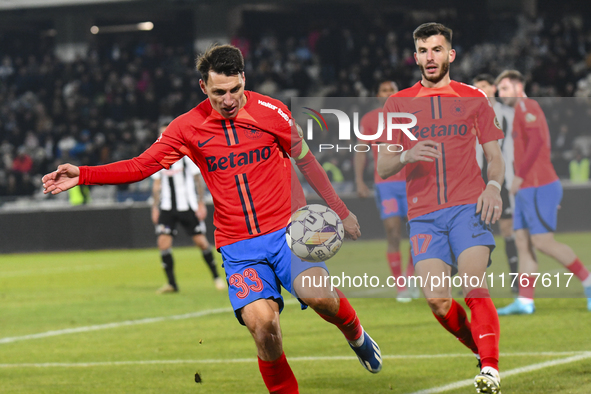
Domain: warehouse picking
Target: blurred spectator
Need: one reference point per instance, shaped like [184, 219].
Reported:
[332, 169]
[106, 106]
[22, 163]
[579, 168]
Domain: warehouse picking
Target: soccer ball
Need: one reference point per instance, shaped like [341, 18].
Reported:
[315, 233]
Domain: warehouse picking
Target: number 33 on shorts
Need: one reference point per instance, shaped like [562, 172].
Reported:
[239, 282]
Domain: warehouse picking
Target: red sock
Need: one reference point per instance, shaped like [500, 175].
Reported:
[577, 268]
[526, 286]
[456, 322]
[410, 268]
[278, 376]
[346, 319]
[395, 262]
[485, 327]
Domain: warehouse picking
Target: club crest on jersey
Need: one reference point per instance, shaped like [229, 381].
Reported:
[253, 134]
[529, 117]
[457, 108]
[497, 124]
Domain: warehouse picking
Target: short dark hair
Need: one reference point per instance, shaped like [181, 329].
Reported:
[385, 80]
[484, 77]
[513, 75]
[221, 59]
[427, 30]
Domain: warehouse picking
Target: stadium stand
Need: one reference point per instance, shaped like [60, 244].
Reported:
[106, 106]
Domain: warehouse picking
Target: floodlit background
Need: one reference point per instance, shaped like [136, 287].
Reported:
[89, 82]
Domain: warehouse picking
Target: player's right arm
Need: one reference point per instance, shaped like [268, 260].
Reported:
[162, 154]
[317, 178]
[390, 163]
[490, 204]
[290, 136]
[156, 186]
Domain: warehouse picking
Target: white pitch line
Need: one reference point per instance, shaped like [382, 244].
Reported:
[56, 270]
[295, 359]
[125, 323]
[511, 372]
[114, 325]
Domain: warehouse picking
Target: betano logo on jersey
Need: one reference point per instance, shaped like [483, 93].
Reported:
[384, 123]
[441, 130]
[234, 160]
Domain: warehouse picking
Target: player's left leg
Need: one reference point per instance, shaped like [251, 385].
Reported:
[334, 307]
[471, 240]
[472, 264]
[448, 312]
[261, 317]
[524, 303]
[547, 244]
[255, 296]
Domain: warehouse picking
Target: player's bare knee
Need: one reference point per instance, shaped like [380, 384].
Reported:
[164, 242]
[439, 306]
[544, 244]
[267, 334]
[324, 305]
[264, 327]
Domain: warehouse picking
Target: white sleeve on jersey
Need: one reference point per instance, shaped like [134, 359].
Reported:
[505, 115]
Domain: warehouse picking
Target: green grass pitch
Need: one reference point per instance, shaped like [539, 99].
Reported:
[55, 337]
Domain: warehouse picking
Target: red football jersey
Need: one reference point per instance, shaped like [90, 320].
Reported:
[452, 116]
[369, 126]
[244, 162]
[531, 139]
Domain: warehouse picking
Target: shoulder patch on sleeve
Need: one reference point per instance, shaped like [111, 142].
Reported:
[529, 117]
[300, 131]
[497, 124]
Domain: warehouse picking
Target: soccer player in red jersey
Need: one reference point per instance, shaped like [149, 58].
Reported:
[537, 193]
[390, 194]
[450, 207]
[242, 141]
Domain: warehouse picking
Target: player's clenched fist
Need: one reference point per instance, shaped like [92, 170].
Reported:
[64, 178]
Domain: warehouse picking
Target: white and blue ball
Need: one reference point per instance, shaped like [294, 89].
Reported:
[315, 233]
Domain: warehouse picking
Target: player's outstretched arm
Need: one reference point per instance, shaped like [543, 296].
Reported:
[359, 164]
[390, 163]
[490, 204]
[317, 178]
[65, 177]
